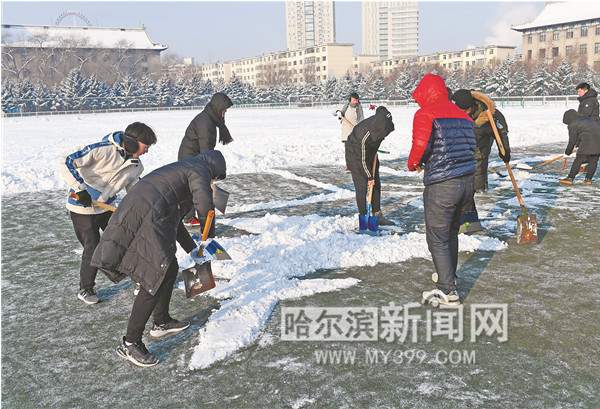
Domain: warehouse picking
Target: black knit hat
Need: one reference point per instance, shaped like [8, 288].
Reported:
[583, 85]
[569, 116]
[463, 98]
[354, 95]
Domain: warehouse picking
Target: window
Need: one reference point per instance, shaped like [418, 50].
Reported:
[597, 48]
[569, 34]
[324, 68]
[467, 54]
[584, 31]
[529, 39]
[491, 51]
[556, 35]
[542, 37]
[582, 49]
[324, 58]
[542, 53]
[569, 50]
[554, 52]
[598, 30]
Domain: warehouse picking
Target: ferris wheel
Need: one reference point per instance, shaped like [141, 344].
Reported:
[73, 17]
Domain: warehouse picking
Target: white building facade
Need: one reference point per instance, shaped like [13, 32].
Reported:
[390, 29]
[309, 23]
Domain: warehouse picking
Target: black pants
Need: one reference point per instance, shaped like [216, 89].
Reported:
[482, 156]
[87, 228]
[591, 160]
[361, 183]
[444, 203]
[146, 303]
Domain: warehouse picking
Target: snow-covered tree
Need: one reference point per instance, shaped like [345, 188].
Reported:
[540, 82]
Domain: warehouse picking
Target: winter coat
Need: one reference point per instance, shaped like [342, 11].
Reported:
[201, 133]
[103, 169]
[588, 104]
[483, 130]
[353, 116]
[365, 139]
[443, 135]
[584, 133]
[139, 240]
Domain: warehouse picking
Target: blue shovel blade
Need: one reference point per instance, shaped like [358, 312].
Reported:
[216, 251]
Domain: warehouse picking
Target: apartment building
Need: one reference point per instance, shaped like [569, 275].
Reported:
[310, 64]
[390, 29]
[309, 23]
[452, 60]
[563, 31]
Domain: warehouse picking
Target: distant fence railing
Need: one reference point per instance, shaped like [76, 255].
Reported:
[504, 101]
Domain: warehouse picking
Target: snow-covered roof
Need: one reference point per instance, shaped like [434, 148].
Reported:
[14, 35]
[562, 13]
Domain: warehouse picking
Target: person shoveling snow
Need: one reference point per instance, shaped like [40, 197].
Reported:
[361, 158]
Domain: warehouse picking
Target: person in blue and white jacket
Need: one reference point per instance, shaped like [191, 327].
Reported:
[97, 173]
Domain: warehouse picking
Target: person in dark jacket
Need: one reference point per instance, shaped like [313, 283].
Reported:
[584, 134]
[588, 101]
[139, 242]
[201, 135]
[361, 153]
[444, 145]
[475, 104]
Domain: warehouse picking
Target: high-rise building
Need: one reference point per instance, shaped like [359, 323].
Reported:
[309, 23]
[390, 29]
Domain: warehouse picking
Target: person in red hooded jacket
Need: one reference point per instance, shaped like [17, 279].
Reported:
[443, 144]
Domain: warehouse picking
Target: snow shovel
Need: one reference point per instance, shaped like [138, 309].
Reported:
[101, 205]
[372, 221]
[549, 161]
[198, 279]
[212, 248]
[526, 223]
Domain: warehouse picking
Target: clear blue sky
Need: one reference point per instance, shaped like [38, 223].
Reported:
[211, 31]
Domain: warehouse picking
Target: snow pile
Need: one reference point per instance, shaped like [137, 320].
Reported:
[266, 267]
[264, 140]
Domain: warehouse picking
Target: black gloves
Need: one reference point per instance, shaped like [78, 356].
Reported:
[506, 157]
[84, 198]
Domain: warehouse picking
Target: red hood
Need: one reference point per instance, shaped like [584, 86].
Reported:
[431, 90]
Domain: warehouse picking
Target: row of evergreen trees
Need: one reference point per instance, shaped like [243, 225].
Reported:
[76, 92]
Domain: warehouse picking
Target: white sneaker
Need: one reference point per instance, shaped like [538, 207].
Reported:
[438, 297]
[88, 296]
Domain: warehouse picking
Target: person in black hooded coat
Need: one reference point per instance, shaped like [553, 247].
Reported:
[201, 135]
[361, 150]
[139, 242]
[588, 101]
[584, 134]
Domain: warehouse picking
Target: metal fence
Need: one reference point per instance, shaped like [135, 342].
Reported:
[513, 101]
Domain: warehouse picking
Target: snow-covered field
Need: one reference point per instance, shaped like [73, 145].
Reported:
[264, 139]
[291, 218]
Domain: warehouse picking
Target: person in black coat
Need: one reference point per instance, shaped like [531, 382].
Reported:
[201, 135]
[584, 133]
[139, 242]
[588, 101]
[475, 104]
[361, 150]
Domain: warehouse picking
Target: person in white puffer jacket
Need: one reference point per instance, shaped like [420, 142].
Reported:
[97, 173]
